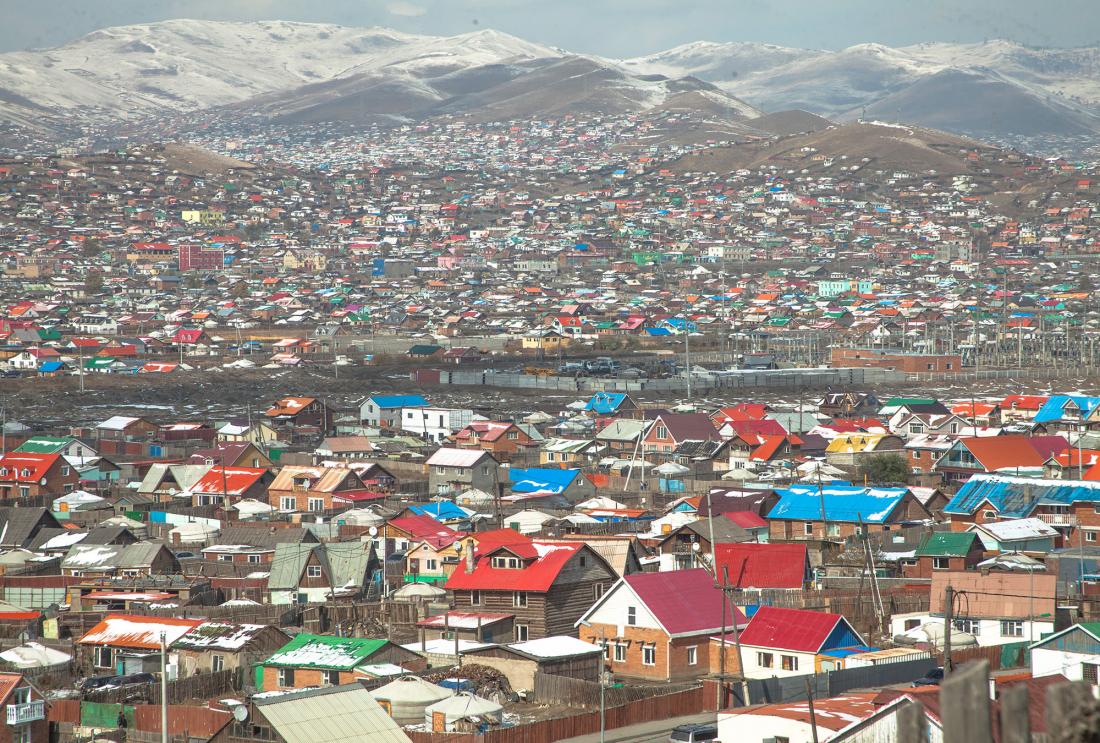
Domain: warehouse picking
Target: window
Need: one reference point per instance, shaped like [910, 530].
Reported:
[475, 598]
[911, 624]
[225, 558]
[313, 571]
[808, 527]
[217, 663]
[1088, 673]
[21, 734]
[662, 432]
[519, 599]
[649, 655]
[790, 662]
[431, 565]
[1012, 628]
[513, 563]
[597, 590]
[620, 652]
[521, 633]
[513, 435]
[989, 514]
[254, 558]
[941, 563]
[970, 626]
[1090, 536]
[440, 470]
[286, 677]
[631, 615]
[330, 678]
[550, 456]
[316, 504]
[764, 660]
[104, 657]
[916, 428]
[693, 656]
[583, 560]
[288, 503]
[832, 530]
[65, 470]
[24, 491]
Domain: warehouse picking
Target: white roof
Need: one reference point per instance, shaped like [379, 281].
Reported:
[116, 423]
[335, 715]
[558, 646]
[455, 457]
[33, 655]
[1018, 529]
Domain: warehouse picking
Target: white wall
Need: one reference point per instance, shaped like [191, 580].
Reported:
[1048, 662]
[989, 630]
[613, 610]
[758, 728]
[756, 671]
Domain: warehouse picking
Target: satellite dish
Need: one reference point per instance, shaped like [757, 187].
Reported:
[695, 547]
[373, 531]
[240, 712]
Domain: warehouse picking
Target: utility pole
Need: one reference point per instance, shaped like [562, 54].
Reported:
[948, 611]
[687, 357]
[163, 688]
[813, 715]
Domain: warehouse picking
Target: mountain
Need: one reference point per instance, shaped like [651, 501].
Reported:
[1022, 90]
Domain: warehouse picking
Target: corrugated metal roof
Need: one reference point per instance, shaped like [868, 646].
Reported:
[335, 715]
[846, 503]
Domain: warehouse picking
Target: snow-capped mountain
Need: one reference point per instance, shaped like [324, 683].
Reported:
[716, 61]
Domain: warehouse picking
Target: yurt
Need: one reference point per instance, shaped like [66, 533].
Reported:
[447, 715]
[406, 698]
[414, 593]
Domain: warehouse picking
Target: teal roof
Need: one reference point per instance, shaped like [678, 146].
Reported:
[946, 544]
[325, 651]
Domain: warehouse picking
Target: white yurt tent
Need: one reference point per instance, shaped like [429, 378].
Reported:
[33, 656]
[417, 592]
[444, 716]
[406, 698]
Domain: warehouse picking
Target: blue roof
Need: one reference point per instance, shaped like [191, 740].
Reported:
[1017, 497]
[440, 510]
[50, 366]
[846, 503]
[541, 480]
[386, 402]
[605, 402]
[1053, 408]
[658, 331]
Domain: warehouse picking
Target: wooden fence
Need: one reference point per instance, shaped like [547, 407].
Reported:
[202, 686]
[553, 689]
[689, 702]
[1071, 714]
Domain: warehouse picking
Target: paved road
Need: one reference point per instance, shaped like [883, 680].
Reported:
[647, 732]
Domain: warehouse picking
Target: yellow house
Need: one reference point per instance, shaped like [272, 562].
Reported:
[202, 216]
[545, 340]
[297, 260]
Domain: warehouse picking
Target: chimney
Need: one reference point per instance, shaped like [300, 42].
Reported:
[470, 556]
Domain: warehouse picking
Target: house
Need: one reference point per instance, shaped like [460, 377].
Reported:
[452, 471]
[503, 439]
[126, 428]
[1032, 535]
[556, 656]
[383, 410]
[794, 722]
[25, 476]
[254, 545]
[342, 448]
[621, 434]
[840, 510]
[1073, 653]
[749, 566]
[122, 644]
[259, 432]
[568, 486]
[119, 560]
[302, 414]
[689, 545]
[848, 404]
[971, 455]
[323, 660]
[656, 626]
[325, 715]
[433, 424]
[232, 454]
[669, 430]
[25, 710]
[20, 525]
[852, 449]
[475, 627]
[569, 452]
[67, 446]
[225, 486]
[312, 489]
[610, 404]
[945, 550]
[546, 585]
[1068, 413]
[789, 642]
[314, 573]
[163, 481]
[214, 646]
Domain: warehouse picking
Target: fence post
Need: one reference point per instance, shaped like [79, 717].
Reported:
[1015, 723]
[1073, 715]
[964, 699]
[912, 723]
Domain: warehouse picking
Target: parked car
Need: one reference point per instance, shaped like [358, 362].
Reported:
[932, 678]
[115, 682]
[693, 733]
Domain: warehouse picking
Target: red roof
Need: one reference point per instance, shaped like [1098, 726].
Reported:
[748, 565]
[137, 631]
[683, 601]
[21, 467]
[799, 630]
[427, 529]
[1005, 452]
[237, 480]
[536, 575]
[1023, 402]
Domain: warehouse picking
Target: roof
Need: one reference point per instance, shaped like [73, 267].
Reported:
[799, 630]
[138, 632]
[543, 561]
[683, 601]
[946, 544]
[345, 563]
[842, 502]
[324, 651]
[1017, 529]
[833, 713]
[219, 636]
[541, 480]
[1012, 451]
[447, 457]
[389, 402]
[1075, 407]
[336, 714]
[752, 565]
[236, 480]
[689, 426]
[426, 528]
[559, 646]
[117, 423]
[84, 556]
[21, 467]
[319, 479]
[605, 402]
[1018, 496]
[289, 406]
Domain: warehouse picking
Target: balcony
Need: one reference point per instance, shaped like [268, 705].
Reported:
[1057, 519]
[19, 714]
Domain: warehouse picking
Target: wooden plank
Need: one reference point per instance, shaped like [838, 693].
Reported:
[1073, 714]
[912, 723]
[964, 701]
[1015, 721]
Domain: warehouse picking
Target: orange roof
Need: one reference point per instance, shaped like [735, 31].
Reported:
[137, 631]
[290, 406]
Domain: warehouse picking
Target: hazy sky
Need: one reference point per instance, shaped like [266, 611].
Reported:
[608, 27]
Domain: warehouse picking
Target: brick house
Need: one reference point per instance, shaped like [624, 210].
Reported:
[977, 454]
[25, 711]
[127, 643]
[669, 430]
[301, 414]
[656, 626]
[503, 439]
[32, 475]
[945, 550]
[323, 660]
[312, 489]
[224, 486]
[546, 585]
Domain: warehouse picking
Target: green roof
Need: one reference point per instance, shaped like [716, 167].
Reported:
[946, 544]
[325, 651]
[44, 444]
